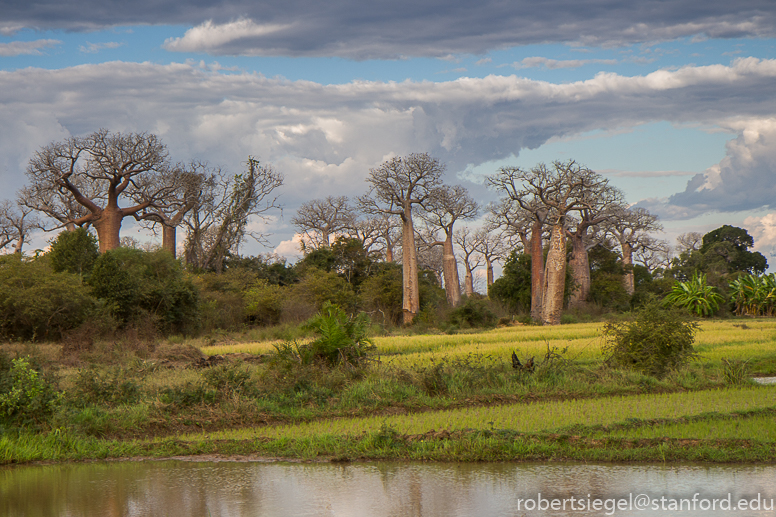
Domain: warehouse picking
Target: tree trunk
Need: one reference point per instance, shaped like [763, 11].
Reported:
[468, 282]
[537, 271]
[555, 276]
[168, 238]
[108, 226]
[627, 265]
[450, 272]
[411, 297]
[389, 252]
[580, 271]
[489, 269]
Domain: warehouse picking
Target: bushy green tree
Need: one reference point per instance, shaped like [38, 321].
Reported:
[724, 253]
[37, 303]
[513, 288]
[74, 252]
[134, 282]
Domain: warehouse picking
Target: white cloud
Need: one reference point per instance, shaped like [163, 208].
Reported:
[325, 138]
[93, 48]
[210, 36]
[554, 64]
[18, 48]
[763, 230]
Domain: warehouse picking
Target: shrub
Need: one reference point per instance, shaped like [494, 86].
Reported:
[657, 340]
[30, 399]
[264, 304]
[113, 387]
[473, 312]
[341, 339]
[36, 302]
[74, 252]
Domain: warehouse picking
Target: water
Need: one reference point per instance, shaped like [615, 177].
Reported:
[178, 488]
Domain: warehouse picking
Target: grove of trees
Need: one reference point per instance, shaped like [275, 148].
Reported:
[566, 237]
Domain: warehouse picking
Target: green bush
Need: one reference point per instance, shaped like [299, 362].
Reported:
[264, 304]
[341, 339]
[658, 340]
[74, 252]
[29, 398]
[133, 282]
[37, 303]
[473, 313]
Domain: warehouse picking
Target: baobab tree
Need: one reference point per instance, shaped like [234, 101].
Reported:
[111, 167]
[57, 206]
[16, 224]
[524, 215]
[217, 225]
[631, 227]
[562, 188]
[471, 257]
[188, 186]
[444, 208]
[492, 247]
[396, 186]
[595, 211]
[321, 220]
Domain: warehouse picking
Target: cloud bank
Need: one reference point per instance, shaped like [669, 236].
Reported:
[326, 137]
[388, 30]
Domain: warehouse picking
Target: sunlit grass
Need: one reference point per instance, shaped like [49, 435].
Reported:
[536, 417]
[760, 427]
[732, 339]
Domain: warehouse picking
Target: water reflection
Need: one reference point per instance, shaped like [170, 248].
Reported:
[190, 488]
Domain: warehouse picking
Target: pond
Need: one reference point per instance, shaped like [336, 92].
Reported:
[178, 488]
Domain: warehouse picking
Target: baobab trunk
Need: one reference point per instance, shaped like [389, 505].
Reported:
[489, 269]
[627, 266]
[411, 291]
[389, 253]
[468, 282]
[537, 271]
[555, 277]
[450, 272]
[108, 227]
[580, 271]
[169, 238]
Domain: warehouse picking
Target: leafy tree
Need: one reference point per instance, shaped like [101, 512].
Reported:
[74, 252]
[513, 288]
[37, 303]
[134, 282]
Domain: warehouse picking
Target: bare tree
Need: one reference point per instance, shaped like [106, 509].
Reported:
[217, 225]
[16, 224]
[561, 189]
[523, 213]
[689, 242]
[597, 210]
[395, 187]
[187, 186]
[320, 220]
[653, 254]
[445, 207]
[630, 228]
[380, 234]
[113, 166]
[492, 246]
[471, 257]
[58, 205]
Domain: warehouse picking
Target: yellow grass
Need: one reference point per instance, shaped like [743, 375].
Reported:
[715, 340]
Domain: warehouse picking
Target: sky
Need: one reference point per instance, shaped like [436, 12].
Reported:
[674, 101]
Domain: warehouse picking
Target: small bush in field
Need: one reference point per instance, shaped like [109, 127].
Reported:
[657, 341]
[341, 339]
[473, 312]
[30, 398]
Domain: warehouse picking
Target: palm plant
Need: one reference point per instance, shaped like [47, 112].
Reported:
[754, 295]
[695, 295]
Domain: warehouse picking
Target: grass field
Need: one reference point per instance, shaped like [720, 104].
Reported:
[434, 397]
